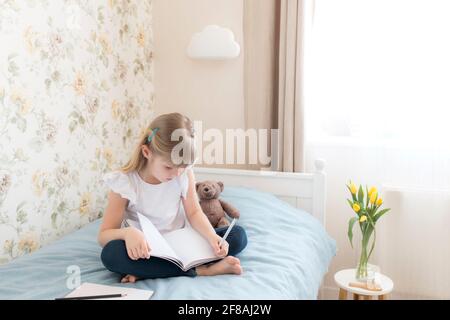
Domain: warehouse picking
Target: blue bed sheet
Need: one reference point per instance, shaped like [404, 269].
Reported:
[288, 254]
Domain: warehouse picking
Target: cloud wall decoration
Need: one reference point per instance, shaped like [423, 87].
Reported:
[214, 43]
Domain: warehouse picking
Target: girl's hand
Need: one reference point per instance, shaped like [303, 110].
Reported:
[137, 246]
[220, 251]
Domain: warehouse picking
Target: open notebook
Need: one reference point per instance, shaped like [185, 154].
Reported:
[184, 247]
[93, 289]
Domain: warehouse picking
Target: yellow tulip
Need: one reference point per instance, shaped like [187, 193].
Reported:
[372, 190]
[353, 188]
[373, 196]
[379, 202]
[356, 207]
[363, 218]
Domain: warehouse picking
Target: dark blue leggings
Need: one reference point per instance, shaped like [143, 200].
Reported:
[115, 258]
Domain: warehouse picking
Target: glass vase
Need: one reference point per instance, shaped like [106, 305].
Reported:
[362, 267]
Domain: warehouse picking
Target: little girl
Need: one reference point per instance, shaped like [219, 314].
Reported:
[162, 188]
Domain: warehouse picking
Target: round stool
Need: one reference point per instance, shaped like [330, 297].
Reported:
[344, 277]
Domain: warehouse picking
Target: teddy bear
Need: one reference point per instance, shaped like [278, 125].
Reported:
[214, 208]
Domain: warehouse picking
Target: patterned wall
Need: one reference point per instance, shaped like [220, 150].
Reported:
[76, 89]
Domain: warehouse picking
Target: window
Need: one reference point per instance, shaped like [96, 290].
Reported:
[379, 69]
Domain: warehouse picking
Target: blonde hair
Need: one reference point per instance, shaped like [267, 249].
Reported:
[161, 130]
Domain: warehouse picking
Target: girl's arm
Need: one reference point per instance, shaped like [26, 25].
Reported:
[137, 246]
[112, 220]
[198, 219]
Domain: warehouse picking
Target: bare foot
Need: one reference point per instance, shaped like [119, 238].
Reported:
[129, 278]
[228, 265]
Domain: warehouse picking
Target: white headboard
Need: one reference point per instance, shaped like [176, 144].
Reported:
[303, 190]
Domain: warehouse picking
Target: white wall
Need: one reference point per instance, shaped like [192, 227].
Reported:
[211, 91]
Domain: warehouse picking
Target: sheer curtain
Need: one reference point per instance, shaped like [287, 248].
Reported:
[377, 108]
[380, 69]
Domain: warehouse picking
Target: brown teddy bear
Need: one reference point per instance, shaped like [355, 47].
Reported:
[213, 207]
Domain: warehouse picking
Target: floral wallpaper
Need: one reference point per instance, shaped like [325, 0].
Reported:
[76, 89]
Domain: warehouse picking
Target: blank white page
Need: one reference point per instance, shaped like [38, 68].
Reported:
[189, 245]
[158, 245]
[92, 289]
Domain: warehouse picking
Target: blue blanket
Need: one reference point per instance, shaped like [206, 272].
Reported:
[288, 254]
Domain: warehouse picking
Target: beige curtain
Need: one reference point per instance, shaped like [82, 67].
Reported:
[290, 87]
[274, 60]
[260, 67]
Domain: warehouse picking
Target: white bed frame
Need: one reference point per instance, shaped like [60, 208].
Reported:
[302, 190]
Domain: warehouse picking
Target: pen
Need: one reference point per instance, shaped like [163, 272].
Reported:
[228, 231]
[116, 295]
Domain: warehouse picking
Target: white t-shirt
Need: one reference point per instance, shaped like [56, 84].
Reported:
[161, 203]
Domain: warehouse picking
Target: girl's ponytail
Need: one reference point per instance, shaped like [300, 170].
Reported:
[162, 136]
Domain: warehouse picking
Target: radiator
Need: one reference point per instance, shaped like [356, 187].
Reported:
[413, 242]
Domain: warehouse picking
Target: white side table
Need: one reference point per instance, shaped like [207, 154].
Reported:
[344, 277]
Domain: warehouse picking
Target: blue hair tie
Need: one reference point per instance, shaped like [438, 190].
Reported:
[150, 137]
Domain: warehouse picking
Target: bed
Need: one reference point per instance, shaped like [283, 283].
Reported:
[287, 255]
